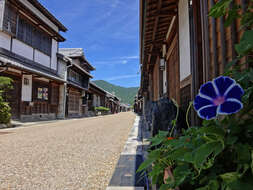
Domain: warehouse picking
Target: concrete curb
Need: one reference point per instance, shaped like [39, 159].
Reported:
[125, 176]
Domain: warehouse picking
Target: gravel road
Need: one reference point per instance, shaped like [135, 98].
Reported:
[65, 155]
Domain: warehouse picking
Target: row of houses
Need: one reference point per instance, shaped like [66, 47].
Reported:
[48, 82]
[181, 48]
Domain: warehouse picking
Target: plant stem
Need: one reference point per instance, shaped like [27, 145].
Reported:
[187, 114]
[175, 120]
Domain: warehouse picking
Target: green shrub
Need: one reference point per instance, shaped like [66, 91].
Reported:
[102, 109]
[5, 115]
[5, 110]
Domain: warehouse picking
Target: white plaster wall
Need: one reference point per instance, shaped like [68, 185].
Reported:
[165, 79]
[5, 41]
[27, 89]
[53, 55]
[42, 58]
[184, 39]
[2, 2]
[62, 69]
[22, 49]
[39, 14]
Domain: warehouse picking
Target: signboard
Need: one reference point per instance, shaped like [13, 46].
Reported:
[26, 88]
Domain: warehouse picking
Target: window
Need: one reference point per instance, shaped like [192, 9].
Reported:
[42, 94]
[26, 81]
[75, 77]
[34, 37]
[10, 19]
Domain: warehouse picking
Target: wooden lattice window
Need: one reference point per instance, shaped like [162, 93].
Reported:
[30, 35]
[10, 19]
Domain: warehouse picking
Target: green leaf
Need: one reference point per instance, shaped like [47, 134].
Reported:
[229, 177]
[204, 151]
[213, 185]
[232, 15]
[238, 184]
[243, 153]
[164, 187]
[251, 162]
[203, 188]
[145, 165]
[181, 172]
[246, 43]
[230, 64]
[213, 130]
[219, 9]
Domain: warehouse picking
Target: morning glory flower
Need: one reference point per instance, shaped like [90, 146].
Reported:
[220, 96]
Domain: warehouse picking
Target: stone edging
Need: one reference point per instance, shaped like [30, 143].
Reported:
[125, 176]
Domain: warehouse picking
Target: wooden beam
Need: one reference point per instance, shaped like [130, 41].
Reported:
[214, 39]
[223, 42]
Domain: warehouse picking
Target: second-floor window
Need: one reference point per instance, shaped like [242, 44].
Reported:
[19, 26]
[75, 77]
[36, 38]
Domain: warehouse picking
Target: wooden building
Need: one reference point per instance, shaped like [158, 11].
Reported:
[29, 40]
[97, 96]
[78, 81]
[182, 48]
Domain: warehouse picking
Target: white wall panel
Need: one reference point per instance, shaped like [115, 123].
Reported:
[54, 57]
[5, 41]
[27, 88]
[22, 49]
[184, 39]
[42, 58]
[2, 4]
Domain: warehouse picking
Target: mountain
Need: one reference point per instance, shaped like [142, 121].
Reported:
[125, 94]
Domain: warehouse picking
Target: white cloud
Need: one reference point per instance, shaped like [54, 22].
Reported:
[122, 77]
[124, 62]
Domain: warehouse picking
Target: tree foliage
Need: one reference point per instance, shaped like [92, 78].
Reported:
[5, 85]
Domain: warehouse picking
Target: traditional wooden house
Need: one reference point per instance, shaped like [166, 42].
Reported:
[182, 48]
[78, 79]
[112, 102]
[29, 41]
[96, 96]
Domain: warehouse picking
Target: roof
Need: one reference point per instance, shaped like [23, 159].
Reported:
[81, 69]
[94, 85]
[16, 64]
[39, 6]
[76, 53]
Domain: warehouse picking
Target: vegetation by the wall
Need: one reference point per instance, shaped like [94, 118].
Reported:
[125, 94]
[102, 109]
[5, 115]
[219, 154]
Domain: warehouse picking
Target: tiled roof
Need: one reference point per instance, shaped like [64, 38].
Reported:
[75, 53]
[72, 52]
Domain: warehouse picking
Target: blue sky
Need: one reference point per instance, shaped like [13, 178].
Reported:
[108, 30]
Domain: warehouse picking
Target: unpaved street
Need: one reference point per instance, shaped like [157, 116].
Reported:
[65, 155]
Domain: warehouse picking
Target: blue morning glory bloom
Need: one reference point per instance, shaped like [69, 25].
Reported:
[220, 96]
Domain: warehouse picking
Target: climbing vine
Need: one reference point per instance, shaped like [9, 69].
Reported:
[219, 154]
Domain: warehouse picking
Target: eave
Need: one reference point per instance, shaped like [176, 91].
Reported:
[155, 19]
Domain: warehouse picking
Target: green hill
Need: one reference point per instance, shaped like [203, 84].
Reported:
[125, 94]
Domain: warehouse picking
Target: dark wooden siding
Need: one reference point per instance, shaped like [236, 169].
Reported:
[221, 41]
